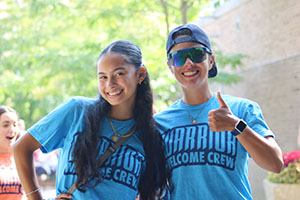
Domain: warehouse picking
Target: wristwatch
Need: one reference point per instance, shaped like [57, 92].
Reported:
[239, 127]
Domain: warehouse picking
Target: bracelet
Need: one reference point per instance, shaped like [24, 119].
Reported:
[33, 191]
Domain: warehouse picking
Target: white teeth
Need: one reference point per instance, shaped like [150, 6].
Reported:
[114, 93]
[189, 73]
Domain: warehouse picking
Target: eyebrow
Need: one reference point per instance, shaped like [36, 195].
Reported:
[5, 122]
[116, 69]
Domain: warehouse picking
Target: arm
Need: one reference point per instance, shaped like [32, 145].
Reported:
[23, 154]
[264, 150]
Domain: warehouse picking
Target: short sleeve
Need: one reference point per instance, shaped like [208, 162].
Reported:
[254, 118]
[52, 130]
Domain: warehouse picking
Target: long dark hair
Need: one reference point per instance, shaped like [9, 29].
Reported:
[154, 177]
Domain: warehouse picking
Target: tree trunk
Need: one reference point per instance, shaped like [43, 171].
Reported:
[183, 9]
[165, 6]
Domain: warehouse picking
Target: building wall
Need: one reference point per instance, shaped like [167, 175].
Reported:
[276, 88]
[262, 29]
[268, 31]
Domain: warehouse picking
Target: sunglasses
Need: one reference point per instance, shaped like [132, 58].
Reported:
[196, 54]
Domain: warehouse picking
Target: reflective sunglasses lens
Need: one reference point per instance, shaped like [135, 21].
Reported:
[179, 58]
[197, 55]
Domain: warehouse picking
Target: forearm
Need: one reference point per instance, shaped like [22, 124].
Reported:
[264, 151]
[23, 155]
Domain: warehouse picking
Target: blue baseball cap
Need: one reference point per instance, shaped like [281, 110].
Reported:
[197, 35]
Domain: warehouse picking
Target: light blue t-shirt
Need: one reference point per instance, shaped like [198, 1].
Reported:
[121, 171]
[207, 165]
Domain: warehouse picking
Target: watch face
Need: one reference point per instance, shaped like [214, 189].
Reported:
[241, 126]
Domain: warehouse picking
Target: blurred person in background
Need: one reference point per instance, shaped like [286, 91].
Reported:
[10, 185]
[45, 164]
[22, 127]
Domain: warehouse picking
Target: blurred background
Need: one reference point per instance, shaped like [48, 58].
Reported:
[48, 53]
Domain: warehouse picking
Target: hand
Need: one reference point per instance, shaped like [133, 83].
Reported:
[221, 119]
[63, 196]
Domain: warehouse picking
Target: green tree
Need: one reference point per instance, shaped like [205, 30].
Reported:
[49, 49]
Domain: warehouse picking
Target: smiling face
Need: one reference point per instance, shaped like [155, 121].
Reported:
[117, 80]
[191, 75]
[8, 131]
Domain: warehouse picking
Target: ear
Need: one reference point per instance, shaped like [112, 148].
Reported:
[141, 74]
[211, 61]
[170, 66]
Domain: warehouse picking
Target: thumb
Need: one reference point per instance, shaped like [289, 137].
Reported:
[221, 101]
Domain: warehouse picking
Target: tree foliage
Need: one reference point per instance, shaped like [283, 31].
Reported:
[48, 49]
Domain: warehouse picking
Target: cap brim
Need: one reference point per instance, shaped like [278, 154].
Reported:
[213, 71]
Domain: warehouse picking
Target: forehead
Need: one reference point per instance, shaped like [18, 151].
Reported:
[8, 116]
[185, 45]
[110, 61]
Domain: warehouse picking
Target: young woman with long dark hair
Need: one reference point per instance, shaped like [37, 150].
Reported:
[85, 128]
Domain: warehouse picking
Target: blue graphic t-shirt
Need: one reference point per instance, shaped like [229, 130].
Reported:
[205, 164]
[121, 171]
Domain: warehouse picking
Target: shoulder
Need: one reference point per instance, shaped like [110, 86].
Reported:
[76, 104]
[169, 111]
[244, 108]
[165, 119]
[238, 101]
[79, 102]
[82, 100]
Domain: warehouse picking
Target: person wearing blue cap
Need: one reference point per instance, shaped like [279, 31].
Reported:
[209, 137]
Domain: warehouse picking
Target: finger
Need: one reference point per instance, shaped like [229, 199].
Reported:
[221, 101]
[211, 126]
[211, 119]
[64, 196]
[211, 113]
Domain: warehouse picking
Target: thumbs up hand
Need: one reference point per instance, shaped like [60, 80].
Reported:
[221, 119]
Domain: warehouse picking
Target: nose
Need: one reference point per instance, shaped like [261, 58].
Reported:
[188, 61]
[12, 130]
[111, 83]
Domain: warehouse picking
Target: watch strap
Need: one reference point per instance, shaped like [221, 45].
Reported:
[239, 127]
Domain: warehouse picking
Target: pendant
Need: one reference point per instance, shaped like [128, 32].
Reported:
[194, 121]
[115, 138]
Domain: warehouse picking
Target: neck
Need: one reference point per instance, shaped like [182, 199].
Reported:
[121, 113]
[6, 151]
[196, 96]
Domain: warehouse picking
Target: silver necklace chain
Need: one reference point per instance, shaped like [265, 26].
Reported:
[194, 120]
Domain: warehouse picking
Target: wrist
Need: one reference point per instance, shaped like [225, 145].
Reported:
[234, 123]
[34, 194]
[239, 127]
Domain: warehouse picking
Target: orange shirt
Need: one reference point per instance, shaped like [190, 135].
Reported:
[10, 185]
